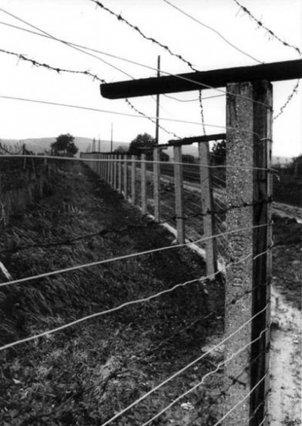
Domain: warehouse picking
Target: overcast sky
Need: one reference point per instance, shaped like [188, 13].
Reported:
[81, 22]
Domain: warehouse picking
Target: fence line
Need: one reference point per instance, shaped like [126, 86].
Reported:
[187, 207]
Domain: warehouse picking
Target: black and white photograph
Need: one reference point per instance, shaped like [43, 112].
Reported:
[151, 213]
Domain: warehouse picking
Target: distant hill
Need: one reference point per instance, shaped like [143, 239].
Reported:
[40, 145]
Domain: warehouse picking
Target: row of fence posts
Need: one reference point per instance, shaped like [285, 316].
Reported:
[114, 169]
[249, 268]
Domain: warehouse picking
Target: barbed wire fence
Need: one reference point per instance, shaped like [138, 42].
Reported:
[201, 203]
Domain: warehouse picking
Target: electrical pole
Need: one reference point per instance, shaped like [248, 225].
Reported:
[111, 141]
[157, 105]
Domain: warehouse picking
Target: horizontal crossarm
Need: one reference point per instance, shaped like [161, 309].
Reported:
[200, 80]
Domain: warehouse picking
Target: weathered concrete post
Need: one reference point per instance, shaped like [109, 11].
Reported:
[179, 207]
[107, 168]
[143, 184]
[126, 177]
[111, 166]
[114, 183]
[133, 178]
[249, 113]
[156, 183]
[207, 206]
[119, 173]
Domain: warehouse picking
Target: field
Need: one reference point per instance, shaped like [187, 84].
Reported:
[85, 374]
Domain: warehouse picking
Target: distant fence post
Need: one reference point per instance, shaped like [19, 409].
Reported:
[119, 173]
[156, 183]
[143, 184]
[133, 178]
[109, 169]
[126, 177]
[249, 118]
[207, 206]
[114, 183]
[179, 207]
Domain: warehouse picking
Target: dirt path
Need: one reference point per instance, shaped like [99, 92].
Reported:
[285, 404]
[286, 210]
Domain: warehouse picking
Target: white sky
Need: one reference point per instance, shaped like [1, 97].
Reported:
[80, 21]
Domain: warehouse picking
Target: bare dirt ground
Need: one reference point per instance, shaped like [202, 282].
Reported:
[288, 211]
[285, 403]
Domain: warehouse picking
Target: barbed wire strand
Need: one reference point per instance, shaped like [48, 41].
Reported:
[80, 72]
[210, 373]
[121, 58]
[59, 70]
[269, 31]
[120, 18]
[201, 112]
[290, 97]
[181, 77]
[140, 32]
[178, 56]
[125, 257]
[62, 41]
[212, 29]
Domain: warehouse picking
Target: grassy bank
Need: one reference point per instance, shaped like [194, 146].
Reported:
[86, 373]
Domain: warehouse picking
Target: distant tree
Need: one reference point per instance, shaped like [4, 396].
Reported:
[218, 153]
[141, 142]
[64, 145]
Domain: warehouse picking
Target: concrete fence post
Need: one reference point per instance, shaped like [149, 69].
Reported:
[126, 177]
[156, 183]
[120, 173]
[207, 206]
[114, 183]
[249, 124]
[179, 206]
[133, 178]
[143, 184]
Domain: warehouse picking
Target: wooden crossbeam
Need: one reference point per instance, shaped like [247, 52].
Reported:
[194, 139]
[276, 71]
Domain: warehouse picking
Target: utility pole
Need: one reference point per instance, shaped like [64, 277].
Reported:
[99, 144]
[111, 141]
[157, 106]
